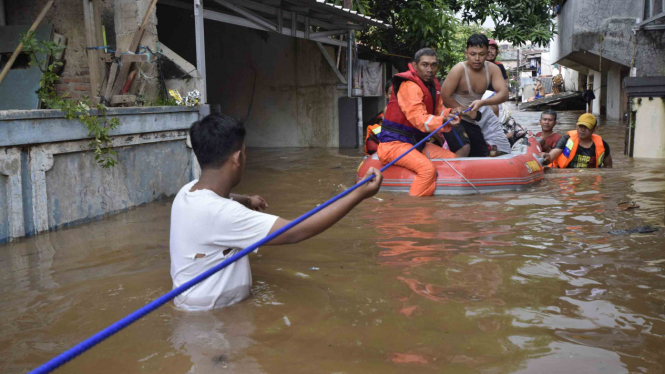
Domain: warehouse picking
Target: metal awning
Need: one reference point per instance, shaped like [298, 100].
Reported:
[651, 23]
[315, 20]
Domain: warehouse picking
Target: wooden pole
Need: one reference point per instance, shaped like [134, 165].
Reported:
[18, 49]
[124, 70]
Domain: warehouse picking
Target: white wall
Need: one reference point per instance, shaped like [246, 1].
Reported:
[597, 79]
[649, 130]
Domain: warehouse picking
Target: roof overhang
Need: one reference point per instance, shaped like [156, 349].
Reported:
[315, 20]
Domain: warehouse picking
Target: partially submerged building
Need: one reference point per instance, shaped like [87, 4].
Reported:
[605, 39]
[289, 69]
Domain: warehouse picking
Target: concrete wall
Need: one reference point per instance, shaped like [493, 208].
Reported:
[580, 24]
[282, 87]
[49, 178]
[649, 130]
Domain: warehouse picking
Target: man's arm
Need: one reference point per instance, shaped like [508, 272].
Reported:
[498, 83]
[255, 202]
[327, 217]
[607, 161]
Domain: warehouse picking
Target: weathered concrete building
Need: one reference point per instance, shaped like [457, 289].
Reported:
[288, 70]
[604, 39]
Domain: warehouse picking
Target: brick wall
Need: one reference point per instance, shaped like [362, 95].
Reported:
[76, 83]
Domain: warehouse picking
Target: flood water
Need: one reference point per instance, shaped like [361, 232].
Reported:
[511, 282]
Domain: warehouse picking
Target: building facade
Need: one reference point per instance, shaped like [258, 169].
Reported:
[609, 40]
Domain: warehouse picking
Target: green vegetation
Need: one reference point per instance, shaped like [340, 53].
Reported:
[433, 23]
[98, 125]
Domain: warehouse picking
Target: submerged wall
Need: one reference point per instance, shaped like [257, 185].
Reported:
[49, 177]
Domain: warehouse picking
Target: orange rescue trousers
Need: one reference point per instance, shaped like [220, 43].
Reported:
[425, 181]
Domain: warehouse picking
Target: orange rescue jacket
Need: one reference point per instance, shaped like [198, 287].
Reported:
[570, 151]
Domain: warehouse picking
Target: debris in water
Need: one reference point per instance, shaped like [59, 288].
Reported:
[625, 205]
[302, 275]
[335, 167]
[314, 269]
[636, 230]
[286, 321]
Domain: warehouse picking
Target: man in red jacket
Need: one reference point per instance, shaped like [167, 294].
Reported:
[414, 110]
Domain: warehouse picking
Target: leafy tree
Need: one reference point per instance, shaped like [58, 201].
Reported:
[433, 23]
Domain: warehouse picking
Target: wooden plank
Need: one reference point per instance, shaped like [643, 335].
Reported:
[129, 58]
[112, 74]
[123, 99]
[91, 41]
[136, 40]
[99, 39]
[550, 100]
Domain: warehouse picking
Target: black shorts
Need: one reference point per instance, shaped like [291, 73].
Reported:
[467, 133]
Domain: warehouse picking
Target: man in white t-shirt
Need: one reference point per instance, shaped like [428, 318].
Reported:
[210, 224]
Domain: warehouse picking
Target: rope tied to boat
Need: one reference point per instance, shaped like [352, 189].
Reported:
[107, 332]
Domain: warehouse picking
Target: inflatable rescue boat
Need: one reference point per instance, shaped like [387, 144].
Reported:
[458, 176]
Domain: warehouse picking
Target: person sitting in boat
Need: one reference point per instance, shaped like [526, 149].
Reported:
[464, 86]
[209, 224]
[580, 148]
[373, 130]
[548, 138]
[492, 54]
[415, 109]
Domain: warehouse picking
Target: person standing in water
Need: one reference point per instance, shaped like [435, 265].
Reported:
[415, 109]
[548, 138]
[464, 87]
[581, 148]
[210, 224]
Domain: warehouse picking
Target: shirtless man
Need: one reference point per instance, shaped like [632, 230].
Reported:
[464, 87]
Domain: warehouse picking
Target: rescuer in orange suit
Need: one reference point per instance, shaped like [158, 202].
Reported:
[415, 109]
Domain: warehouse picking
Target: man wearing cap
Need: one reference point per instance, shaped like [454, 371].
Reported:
[492, 53]
[580, 148]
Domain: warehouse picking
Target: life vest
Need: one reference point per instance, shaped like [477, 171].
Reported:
[395, 125]
[570, 150]
[498, 62]
[373, 131]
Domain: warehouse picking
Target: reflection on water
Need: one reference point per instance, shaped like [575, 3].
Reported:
[513, 282]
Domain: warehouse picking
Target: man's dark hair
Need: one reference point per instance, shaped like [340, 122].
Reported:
[215, 138]
[549, 112]
[424, 52]
[477, 40]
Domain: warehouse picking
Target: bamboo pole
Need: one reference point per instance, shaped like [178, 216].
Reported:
[18, 49]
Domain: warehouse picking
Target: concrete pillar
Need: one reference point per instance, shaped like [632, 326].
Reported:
[614, 92]
[128, 17]
[595, 77]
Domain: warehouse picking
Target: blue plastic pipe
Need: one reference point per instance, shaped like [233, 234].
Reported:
[85, 345]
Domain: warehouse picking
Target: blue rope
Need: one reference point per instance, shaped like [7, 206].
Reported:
[85, 345]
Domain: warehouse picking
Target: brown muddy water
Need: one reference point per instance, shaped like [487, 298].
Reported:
[523, 282]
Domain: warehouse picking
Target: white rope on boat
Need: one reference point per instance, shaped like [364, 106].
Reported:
[460, 174]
